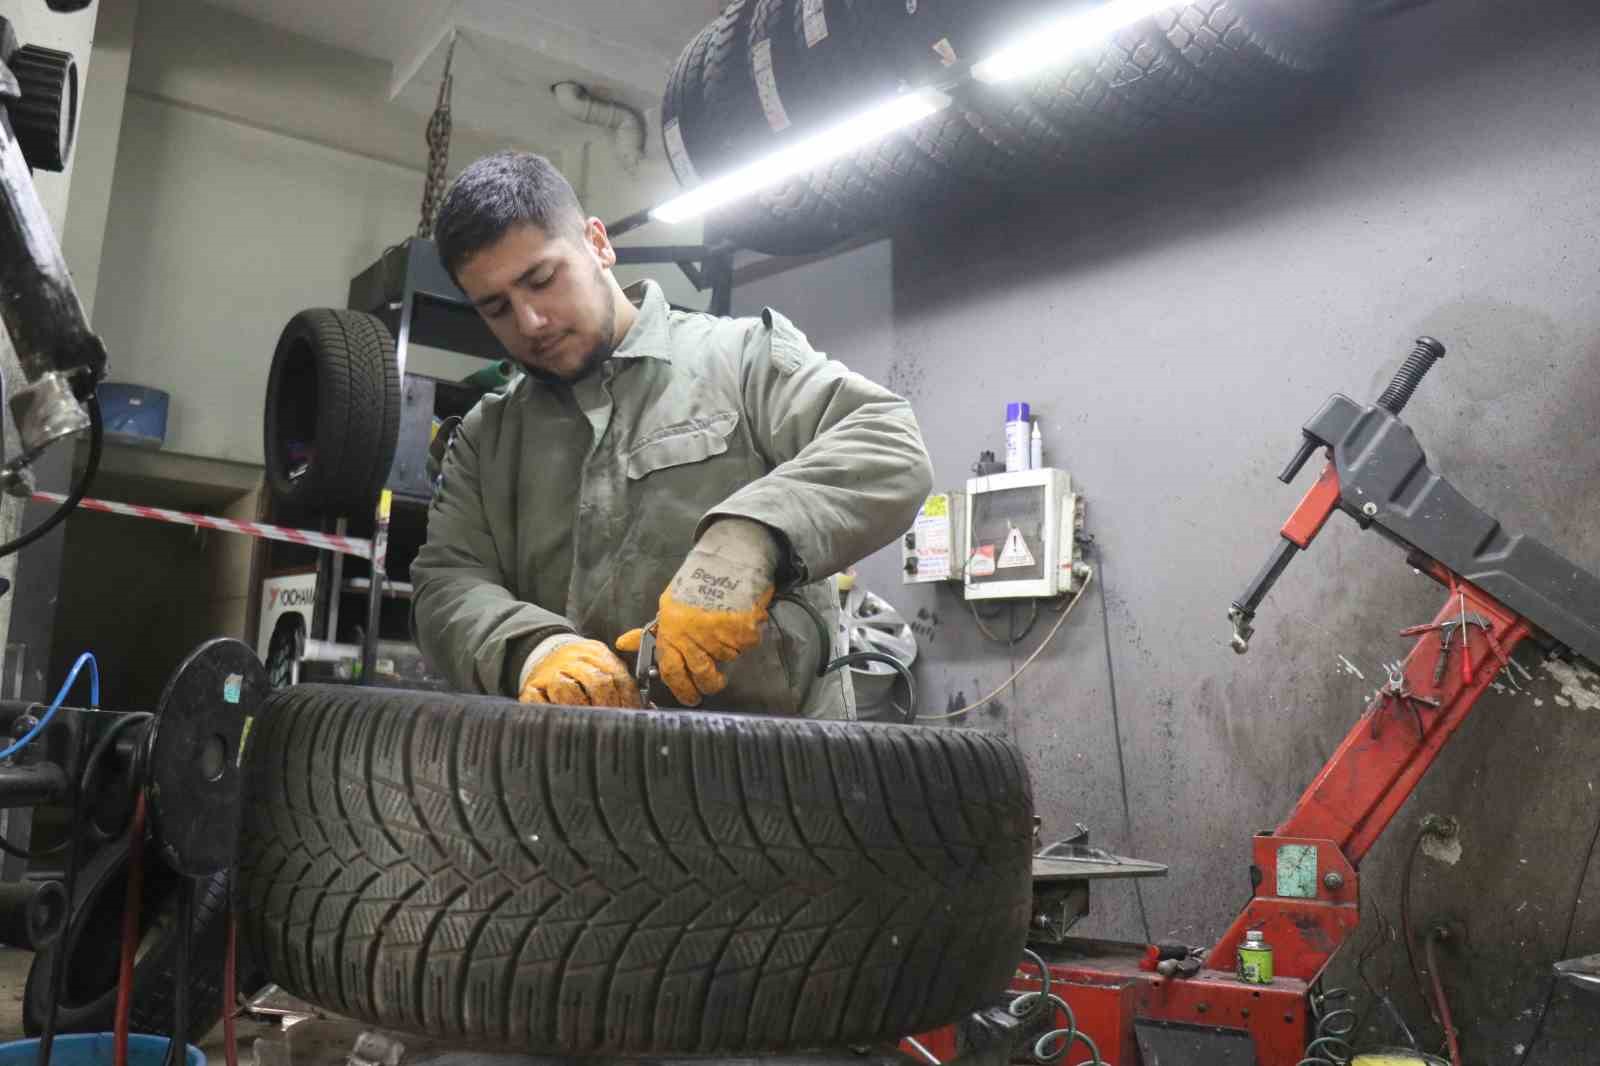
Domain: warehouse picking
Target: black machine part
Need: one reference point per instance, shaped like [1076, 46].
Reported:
[45, 115]
[195, 752]
[1381, 465]
[40, 309]
[32, 913]
[1161, 1042]
[1385, 483]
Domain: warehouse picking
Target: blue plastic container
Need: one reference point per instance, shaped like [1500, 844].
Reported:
[133, 414]
[94, 1049]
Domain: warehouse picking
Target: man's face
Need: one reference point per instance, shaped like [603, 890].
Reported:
[547, 298]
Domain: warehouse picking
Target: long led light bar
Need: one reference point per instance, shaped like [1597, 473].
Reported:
[842, 139]
[1059, 39]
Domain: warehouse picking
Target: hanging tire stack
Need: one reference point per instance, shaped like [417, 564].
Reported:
[767, 73]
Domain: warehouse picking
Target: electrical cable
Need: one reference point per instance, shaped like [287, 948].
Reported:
[27, 738]
[91, 467]
[1385, 933]
[1043, 644]
[230, 991]
[858, 657]
[1566, 945]
[826, 666]
[89, 784]
[101, 748]
[69, 883]
[1026, 1005]
[1443, 1003]
[55, 705]
[1014, 638]
[178, 1045]
[1017, 1009]
[130, 931]
[1122, 762]
[1405, 921]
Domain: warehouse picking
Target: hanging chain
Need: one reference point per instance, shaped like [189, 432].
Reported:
[438, 138]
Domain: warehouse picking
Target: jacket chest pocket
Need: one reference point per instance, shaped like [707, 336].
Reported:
[679, 472]
[694, 440]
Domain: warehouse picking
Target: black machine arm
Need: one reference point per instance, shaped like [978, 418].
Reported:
[1384, 482]
[60, 356]
[1381, 464]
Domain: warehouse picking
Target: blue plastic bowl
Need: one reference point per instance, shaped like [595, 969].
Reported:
[94, 1049]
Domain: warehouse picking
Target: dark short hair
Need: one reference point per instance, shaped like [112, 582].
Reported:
[497, 194]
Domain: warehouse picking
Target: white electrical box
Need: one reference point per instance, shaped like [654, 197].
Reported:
[1022, 536]
[931, 550]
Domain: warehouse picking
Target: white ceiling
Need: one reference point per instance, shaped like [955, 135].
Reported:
[508, 52]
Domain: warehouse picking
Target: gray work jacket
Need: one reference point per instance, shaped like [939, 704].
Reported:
[569, 508]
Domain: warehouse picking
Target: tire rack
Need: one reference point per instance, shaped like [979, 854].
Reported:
[409, 289]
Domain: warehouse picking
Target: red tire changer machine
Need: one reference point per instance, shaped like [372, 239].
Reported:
[1500, 590]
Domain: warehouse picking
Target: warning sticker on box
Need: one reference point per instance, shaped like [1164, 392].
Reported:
[815, 21]
[982, 562]
[679, 153]
[767, 86]
[1016, 552]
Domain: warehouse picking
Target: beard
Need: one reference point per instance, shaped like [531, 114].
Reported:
[604, 346]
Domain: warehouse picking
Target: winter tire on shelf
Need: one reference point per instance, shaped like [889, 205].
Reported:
[332, 416]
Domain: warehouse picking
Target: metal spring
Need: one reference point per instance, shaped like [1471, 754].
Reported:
[1028, 1002]
[1329, 1046]
[1427, 352]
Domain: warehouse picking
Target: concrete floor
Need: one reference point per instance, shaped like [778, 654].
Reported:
[318, 1042]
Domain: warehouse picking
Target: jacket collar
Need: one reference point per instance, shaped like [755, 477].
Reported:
[649, 337]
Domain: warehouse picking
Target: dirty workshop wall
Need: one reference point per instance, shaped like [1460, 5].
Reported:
[1173, 334]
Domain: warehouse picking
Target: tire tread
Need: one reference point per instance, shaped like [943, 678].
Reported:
[595, 882]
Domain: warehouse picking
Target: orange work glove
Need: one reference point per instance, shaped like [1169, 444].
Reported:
[575, 672]
[714, 609]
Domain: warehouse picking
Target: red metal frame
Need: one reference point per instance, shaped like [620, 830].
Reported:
[1340, 815]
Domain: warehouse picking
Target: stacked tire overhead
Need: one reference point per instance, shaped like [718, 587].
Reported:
[767, 73]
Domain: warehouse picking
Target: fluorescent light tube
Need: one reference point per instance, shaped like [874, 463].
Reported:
[1058, 39]
[842, 139]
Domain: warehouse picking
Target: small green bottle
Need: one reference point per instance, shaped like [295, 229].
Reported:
[1255, 959]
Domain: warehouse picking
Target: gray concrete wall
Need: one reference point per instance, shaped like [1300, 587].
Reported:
[1173, 333]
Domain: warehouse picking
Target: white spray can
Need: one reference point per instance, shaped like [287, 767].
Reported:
[1018, 425]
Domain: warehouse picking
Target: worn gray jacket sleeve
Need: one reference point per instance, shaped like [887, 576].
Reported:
[850, 469]
[466, 620]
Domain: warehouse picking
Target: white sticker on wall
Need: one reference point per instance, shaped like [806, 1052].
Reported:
[679, 153]
[815, 21]
[767, 86]
[1016, 552]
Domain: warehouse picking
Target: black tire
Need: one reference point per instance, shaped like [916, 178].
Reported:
[93, 945]
[1257, 44]
[583, 881]
[823, 78]
[682, 84]
[333, 411]
[285, 649]
[711, 99]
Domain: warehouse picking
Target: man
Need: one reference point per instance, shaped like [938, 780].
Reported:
[651, 465]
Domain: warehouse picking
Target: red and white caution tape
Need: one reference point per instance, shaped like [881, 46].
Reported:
[348, 545]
